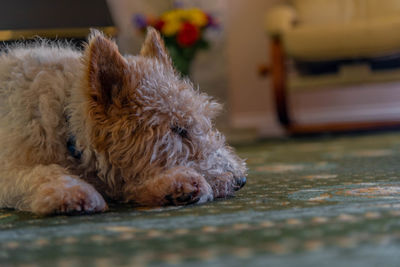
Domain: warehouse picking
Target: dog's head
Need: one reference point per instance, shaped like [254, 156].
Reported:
[144, 118]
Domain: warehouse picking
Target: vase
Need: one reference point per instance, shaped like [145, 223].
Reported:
[182, 58]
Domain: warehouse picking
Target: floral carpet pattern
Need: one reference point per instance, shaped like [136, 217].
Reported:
[308, 202]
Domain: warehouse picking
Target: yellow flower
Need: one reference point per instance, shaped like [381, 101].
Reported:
[173, 22]
[171, 27]
[197, 17]
[170, 15]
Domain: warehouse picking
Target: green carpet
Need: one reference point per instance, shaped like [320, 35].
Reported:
[315, 202]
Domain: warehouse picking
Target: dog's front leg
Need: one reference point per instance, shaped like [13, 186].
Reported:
[48, 189]
[177, 186]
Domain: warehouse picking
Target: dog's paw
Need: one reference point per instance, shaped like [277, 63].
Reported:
[176, 186]
[186, 187]
[224, 185]
[67, 195]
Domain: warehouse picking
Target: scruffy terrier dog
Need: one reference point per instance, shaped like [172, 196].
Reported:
[80, 127]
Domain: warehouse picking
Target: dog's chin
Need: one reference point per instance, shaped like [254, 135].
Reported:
[207, 196]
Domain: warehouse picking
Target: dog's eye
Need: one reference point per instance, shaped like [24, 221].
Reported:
[181, 131]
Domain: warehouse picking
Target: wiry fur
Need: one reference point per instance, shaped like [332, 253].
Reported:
[145, 134]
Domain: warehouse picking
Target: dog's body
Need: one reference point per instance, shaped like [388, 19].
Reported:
[78, 127]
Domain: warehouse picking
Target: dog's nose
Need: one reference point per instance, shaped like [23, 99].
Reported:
[240, 182]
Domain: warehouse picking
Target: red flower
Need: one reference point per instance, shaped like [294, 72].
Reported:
[159, 24]
[188, 35]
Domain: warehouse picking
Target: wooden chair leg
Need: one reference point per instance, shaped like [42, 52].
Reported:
[278, 71]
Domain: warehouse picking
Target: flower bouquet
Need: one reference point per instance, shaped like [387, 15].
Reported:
[183, 33]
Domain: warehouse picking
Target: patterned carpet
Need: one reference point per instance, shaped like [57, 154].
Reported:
[308, 202]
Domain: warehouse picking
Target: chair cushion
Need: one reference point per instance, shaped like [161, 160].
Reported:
[382, 8]
[344, 11]
[370, 38]
[326, 11]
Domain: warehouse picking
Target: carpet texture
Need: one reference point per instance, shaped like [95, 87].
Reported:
[315, 202]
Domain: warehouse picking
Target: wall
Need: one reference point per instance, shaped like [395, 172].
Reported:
[122, 11]
[250, 96]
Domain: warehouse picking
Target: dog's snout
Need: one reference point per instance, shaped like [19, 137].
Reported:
[240, 182]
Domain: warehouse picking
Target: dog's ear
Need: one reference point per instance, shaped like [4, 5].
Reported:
[154, 47]
[105, 67]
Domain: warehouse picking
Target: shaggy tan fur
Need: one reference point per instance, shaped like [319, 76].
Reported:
[145, 134]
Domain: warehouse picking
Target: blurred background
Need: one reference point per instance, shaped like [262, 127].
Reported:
[279, 67]
[228, 70]
[338, 62]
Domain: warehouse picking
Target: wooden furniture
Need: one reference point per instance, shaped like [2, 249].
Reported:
[284, 26]
[25, 20]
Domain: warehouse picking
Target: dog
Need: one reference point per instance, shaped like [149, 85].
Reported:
[82, 127]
